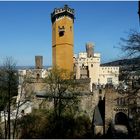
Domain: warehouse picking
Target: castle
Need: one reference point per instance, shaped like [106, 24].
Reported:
[85, 64]
[89, 74]
[86, 67]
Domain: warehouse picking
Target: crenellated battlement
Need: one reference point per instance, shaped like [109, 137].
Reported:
[60, 12]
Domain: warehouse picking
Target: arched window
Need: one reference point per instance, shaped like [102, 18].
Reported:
[38, 75]
[121, 118]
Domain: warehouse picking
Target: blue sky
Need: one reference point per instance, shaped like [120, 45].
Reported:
[25, 28]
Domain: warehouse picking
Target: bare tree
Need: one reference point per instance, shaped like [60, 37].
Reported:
[131, 47]
[131, 44]
[9, 89]
[21, 98]
[62, 88]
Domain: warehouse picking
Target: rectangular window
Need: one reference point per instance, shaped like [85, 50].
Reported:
[109, 80]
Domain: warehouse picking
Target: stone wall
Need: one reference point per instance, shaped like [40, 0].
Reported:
[109, 98]
[114, 103]
[87, 100]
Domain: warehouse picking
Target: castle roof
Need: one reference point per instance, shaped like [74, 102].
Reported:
[97, 117]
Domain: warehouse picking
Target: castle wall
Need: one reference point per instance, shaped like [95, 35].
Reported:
[114, 103]
[109, 107]
[87, 100]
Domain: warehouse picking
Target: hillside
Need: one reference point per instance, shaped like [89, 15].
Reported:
[123, 62]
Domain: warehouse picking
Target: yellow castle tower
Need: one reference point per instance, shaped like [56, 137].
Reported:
[62, 37]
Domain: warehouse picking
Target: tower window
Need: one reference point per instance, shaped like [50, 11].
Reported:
[70, 28]
[61, 30]
[37, 76]
[61, 34]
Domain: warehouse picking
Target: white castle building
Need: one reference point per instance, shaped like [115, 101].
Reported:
[87, 65]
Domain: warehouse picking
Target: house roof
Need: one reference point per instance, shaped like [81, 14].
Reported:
[97, 117]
